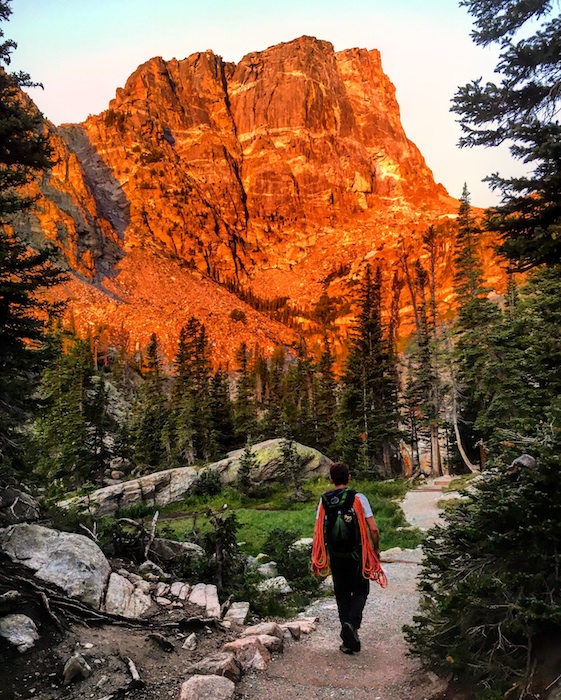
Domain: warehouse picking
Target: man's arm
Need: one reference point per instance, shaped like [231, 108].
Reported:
[374, 533]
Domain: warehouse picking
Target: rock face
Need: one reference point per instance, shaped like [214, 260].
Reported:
[72, 562]
[268, 457]
[156, 489]
[173, 485]
[282, 174]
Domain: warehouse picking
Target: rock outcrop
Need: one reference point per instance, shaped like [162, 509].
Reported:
[280, 175]
[170, 486]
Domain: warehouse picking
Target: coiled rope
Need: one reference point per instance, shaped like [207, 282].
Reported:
[371, 566]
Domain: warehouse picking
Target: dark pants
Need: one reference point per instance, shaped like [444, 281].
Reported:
[351, 589]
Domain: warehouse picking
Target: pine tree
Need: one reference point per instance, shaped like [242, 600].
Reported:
[245, 413]
[24, 153]
[223, 437]
[477, 316]
[522, 108]
[64, 453]
[247, 465]
[325, 403]
[150, 419]
[368, 416]
[191, 417]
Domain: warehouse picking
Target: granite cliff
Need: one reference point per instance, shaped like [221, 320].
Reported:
[280, 175]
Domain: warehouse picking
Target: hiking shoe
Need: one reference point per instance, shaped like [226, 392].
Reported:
[345, 649]
[350, 637]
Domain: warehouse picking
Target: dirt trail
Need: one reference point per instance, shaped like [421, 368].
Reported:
[315, 669]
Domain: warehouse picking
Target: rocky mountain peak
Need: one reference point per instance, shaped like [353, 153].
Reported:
[277, 176]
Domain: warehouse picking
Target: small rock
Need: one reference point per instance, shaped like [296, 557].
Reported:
[19, 630]
[75, 667]
[250, 653]
[278, 584]
[222, 663]
[198, 595]
[207, 688]
[269, 570]
[212, 603]
[190, 643]
[163, 601]
[303, 543]
[237, 613]
[268, 628]
[150, 567]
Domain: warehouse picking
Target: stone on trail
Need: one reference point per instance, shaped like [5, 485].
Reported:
[271, 642]
[250, 652]
[198, 595]
[124, 598]
[75, 667]
[237, 613]
[222, 663]
[270, 628]
[207, 688]
[212, 603]
[19, 630]
[190, 644]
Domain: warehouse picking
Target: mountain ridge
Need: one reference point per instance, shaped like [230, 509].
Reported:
[280, 176]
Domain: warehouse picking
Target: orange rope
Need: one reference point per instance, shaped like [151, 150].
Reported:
[320, 561]
[371, 566]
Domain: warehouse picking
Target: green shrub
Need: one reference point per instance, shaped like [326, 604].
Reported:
[207, 484]
[490, 583]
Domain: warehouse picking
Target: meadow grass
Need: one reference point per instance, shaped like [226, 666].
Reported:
[257, 517]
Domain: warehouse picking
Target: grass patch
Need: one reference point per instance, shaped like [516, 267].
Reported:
[459, 482]
[258, 517]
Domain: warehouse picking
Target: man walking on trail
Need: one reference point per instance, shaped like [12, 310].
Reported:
[346, 542]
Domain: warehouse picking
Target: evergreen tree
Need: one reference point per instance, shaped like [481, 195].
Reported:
[423, 387]
[325, 403]
[291, 469]
[476, 318]
[245, 414]
[247, 465]
[150, 419]
[223, 434]
[192, 420]
[368, 416]
[24, 153]
[64, 449]
[522, 108]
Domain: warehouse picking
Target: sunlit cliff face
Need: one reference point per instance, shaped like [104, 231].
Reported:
[284, 175]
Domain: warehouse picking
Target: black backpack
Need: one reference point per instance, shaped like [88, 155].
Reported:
[342, 535]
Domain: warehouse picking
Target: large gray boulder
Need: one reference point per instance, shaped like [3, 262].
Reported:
[72, 562]
[268, 458]
[157, 489]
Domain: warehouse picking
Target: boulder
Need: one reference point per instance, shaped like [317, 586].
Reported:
[212, 603]
[72, 562]
[157, 489]
[17, 506]
[222, 663]
[198, 595]
[268, 458]
[19, 630]
[207, 688]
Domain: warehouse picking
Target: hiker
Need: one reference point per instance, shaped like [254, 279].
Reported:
[346, 542]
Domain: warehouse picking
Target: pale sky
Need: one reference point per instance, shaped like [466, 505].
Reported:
[83, 50]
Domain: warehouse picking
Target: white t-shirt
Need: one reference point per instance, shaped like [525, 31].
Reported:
[365, 506]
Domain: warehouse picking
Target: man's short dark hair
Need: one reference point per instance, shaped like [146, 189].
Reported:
[339, 473]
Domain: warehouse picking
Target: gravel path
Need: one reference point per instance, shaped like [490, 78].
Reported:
[315, 669]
